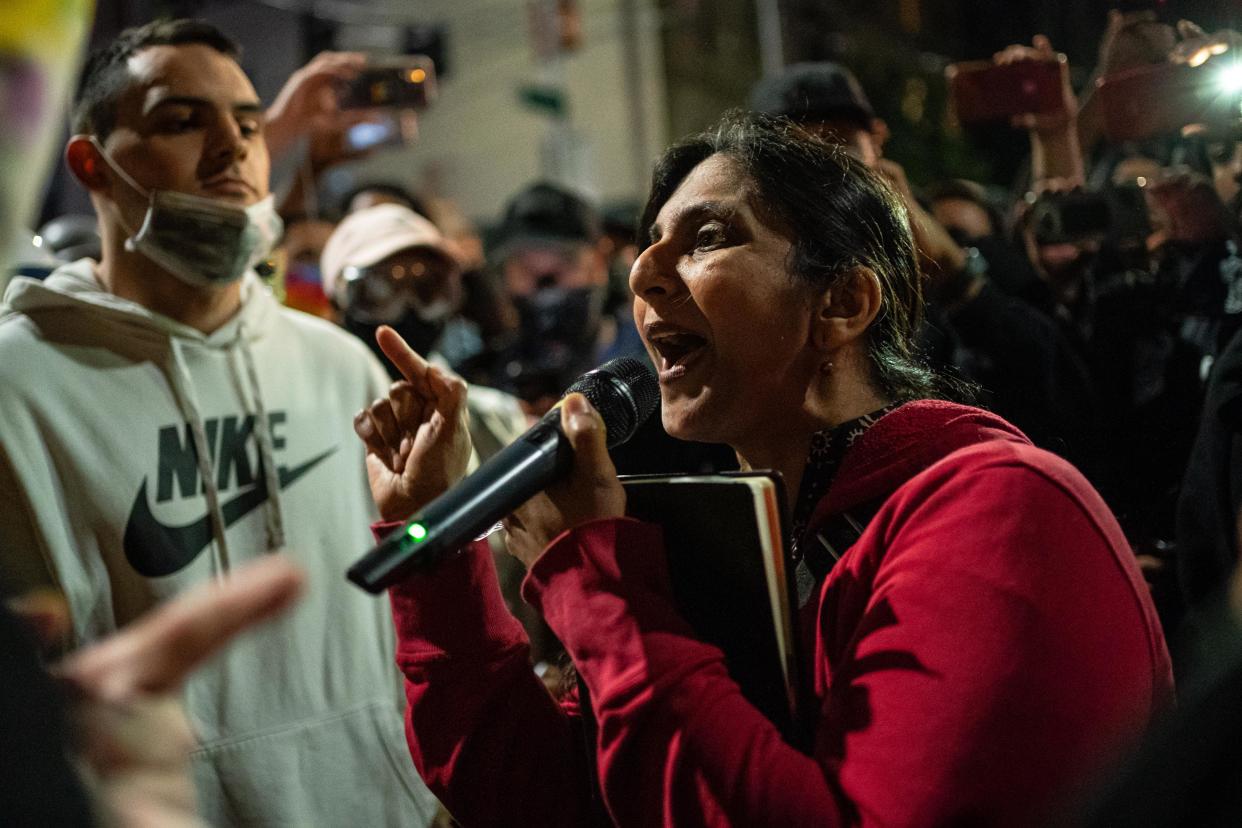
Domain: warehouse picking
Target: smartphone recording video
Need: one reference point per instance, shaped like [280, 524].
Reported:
[394, 83]
[370, 135]
[1060, 218]
[983, 91]
[382, 129]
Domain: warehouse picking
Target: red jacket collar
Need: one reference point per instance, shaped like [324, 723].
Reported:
[903, 443]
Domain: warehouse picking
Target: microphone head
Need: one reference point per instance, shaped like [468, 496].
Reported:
[624, 391]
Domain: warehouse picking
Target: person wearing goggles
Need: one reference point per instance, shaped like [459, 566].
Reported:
[387, 265]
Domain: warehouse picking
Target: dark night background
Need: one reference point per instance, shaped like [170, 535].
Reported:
[711, 57]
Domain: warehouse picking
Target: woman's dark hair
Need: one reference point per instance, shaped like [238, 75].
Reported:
[837, 214]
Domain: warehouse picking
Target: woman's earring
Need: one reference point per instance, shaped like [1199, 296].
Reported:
[826, 368]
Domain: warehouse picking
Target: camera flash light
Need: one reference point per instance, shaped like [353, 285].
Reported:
[1230, 78]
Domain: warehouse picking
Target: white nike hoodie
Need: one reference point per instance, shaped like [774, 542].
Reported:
[139, 456]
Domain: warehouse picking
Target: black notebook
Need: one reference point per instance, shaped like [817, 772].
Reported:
[732, 578]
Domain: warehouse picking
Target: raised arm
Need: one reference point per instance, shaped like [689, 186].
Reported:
[484, 733]
[1056, 153]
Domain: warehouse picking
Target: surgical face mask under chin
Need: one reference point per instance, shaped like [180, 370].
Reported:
[203, 241]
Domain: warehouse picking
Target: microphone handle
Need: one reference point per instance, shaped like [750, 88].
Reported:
[508, 479]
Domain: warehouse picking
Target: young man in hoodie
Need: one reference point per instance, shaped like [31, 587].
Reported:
[164, 419]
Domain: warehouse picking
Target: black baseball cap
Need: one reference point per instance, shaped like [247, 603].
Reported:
[810, 92]
[543, 214]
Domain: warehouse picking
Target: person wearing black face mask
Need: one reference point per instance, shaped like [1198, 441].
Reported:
[386, 265]
[554, 271]
[552, 260]
[972, 220]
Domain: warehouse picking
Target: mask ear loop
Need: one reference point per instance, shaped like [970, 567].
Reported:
[128, 179]
[116, 168]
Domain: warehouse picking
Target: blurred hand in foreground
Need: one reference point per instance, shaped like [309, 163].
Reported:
[130, 732]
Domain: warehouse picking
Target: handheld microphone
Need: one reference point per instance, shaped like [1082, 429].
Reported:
[624, 391]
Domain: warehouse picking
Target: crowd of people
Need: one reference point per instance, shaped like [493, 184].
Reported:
[1020, 407]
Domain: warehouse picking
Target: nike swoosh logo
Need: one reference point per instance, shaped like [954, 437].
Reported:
[155, 549]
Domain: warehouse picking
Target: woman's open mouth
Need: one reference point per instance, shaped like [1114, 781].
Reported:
[676, 349]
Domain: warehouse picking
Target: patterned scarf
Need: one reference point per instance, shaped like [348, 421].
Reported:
[828, 448]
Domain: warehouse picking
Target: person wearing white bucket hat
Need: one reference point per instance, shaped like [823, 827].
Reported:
[387, 265]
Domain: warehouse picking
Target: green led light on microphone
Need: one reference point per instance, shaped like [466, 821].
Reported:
[417, 532]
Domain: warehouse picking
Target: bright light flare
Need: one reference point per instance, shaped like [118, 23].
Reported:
[1229, 78]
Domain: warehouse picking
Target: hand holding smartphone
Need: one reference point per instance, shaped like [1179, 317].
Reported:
[1163, 98]
[984, 91]
[394, 90]
[392, 83]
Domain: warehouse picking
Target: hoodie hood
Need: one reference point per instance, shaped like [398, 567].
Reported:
[903, 443]
[76, 287]
[109, 321]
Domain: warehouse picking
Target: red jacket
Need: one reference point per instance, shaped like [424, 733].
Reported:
[986, 644]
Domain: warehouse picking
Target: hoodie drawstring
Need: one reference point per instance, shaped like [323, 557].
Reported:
[274, 522]
[179, 379]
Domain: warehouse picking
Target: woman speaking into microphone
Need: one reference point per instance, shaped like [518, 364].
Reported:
[983, 646]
